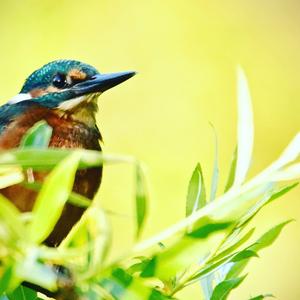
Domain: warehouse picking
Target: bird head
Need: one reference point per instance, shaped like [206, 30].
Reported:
[69, 87]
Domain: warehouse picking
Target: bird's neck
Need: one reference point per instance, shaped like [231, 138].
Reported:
[84, 113]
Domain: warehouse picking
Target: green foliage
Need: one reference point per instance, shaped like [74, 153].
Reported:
[196, 197]
[212, 245]
[38, 136]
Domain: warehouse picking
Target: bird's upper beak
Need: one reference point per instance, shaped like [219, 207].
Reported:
[100, 83]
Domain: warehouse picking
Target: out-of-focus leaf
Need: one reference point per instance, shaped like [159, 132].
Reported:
[264, 241]
[52, 198]
[245, 129]
[290, 153]
[149, 269]
[222, 258]
[10, 176]
[140, 199]
[74, 198]
[139, 266]
[156, 295]
[289, 173]
[33, 271]
[243, 255]
[269, 237]
[232, 169]
[265, 201]
[23, 293]
[222, 290]
[91, 236]
[215, 174]
[234, 246]
[10, 215]
[282, 191]
[37, 136]
[196, 196]
[5, 279]
[261, 297]
[45, 159]
[123, 286]
[189, 249]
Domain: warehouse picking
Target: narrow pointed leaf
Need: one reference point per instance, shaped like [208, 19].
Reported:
[233, 247]
[196, 196]
[264, 241]
[10, 216]
[52, 197]
[244, 255]
[245, 129]
[223, 289]
[10, 176]
[261, 297]
[232, 169]
[91, 236]
[37, 136]
[140, 199]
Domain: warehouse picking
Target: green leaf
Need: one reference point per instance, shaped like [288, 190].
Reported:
[223, 289]
[190, 248]
[140, 199]
[52, 198]
[231, 175]
[91, 238]
[269, 237]
[234, 246]
[263, 202]
[243, 255]
[75, 199]
[245, 129]
[5, 279]
[37, 136]
[10, 216]
[149, 269]
[10, 176]
[261, 297]
[196, 196]
[23, 293]
[282, 191]
[264, 241]
[45, 159]
[222, 258]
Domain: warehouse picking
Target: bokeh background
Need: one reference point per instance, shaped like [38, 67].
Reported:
[186, 53]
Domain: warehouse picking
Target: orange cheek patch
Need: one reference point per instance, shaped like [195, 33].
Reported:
[77, 75]
[40, 92]
[37, 93]
[52, 89]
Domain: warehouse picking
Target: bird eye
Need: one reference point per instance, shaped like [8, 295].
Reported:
[59, 81]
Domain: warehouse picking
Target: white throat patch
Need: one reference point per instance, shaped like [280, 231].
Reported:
[19, 98]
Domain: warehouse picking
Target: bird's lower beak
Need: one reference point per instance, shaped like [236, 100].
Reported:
[101, 82]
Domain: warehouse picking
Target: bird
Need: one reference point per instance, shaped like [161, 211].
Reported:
[64, 94]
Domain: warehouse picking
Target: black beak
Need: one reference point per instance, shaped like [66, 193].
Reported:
[101, 83]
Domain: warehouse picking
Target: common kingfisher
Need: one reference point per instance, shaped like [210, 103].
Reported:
[64, 93]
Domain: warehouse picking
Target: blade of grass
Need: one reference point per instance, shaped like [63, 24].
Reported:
[196, 196]
[52, 198]
[245, 129]
[140, 199]
[232, 171]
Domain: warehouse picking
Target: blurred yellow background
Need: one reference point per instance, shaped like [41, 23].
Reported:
[186, 54]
